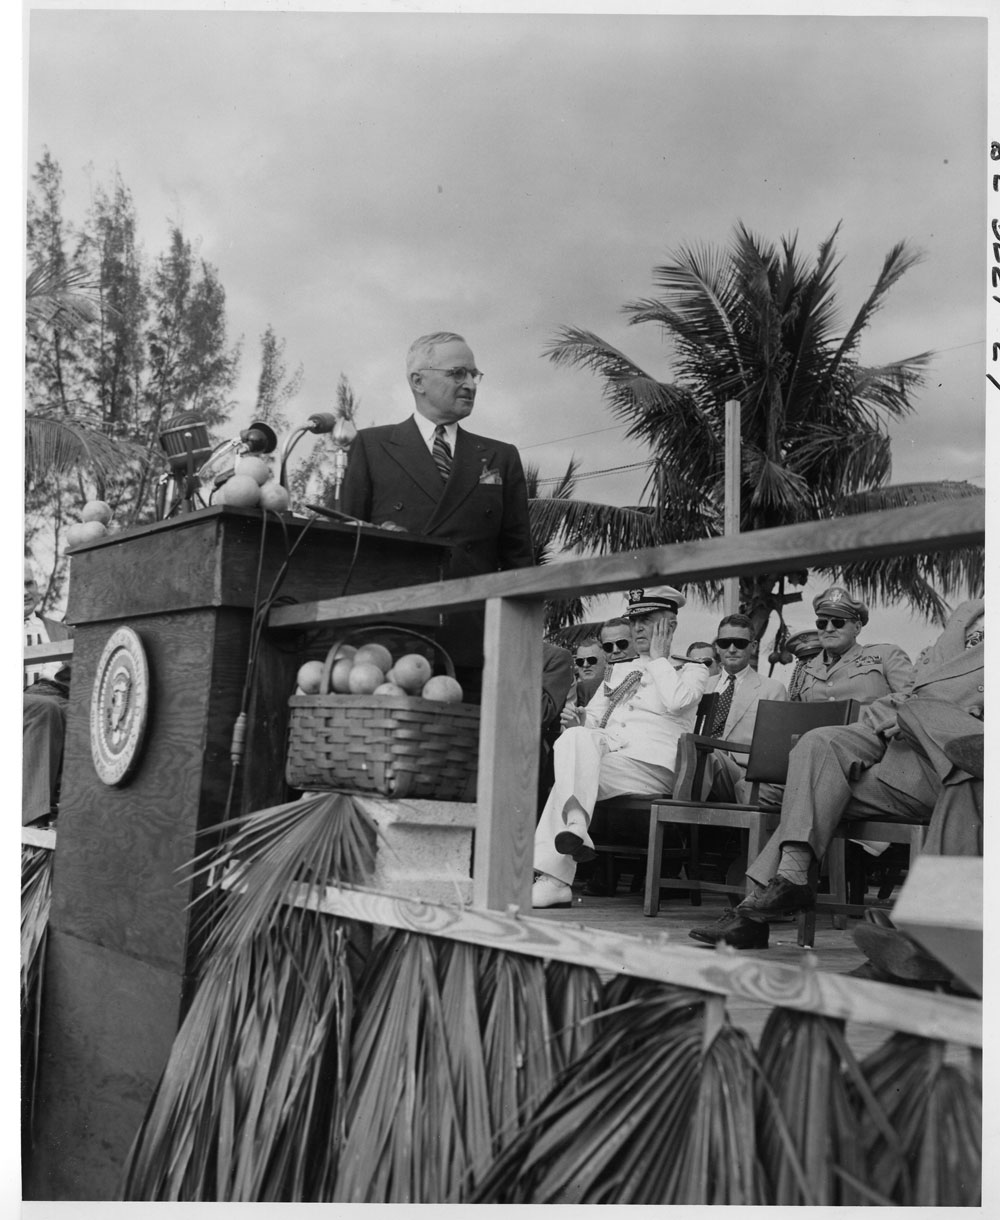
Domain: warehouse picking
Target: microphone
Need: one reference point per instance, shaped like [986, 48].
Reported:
[321, 422]
[259, 437]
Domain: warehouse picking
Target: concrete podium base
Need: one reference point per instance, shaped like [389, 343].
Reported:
[424, 849]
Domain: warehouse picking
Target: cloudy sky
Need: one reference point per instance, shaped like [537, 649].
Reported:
[360, 179]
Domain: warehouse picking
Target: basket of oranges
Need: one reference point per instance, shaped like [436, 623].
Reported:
[364, 721]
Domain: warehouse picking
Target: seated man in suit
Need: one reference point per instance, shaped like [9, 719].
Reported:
[624, 741]
[44, 703]
[843, 668]
[590, 667]
[703, 651]
[616, 641]
[429, 476]
[907, 759]
[740, 689]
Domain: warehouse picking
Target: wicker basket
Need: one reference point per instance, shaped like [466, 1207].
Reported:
[392, 745]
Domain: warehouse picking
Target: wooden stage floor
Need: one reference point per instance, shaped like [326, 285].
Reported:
[834, 949]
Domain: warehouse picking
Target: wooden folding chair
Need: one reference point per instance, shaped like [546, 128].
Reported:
[619, 825]
[778, 726]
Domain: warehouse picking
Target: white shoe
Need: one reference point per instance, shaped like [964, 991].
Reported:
[548, 891]
[575, 840]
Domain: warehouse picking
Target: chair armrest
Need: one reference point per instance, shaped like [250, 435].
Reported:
[716, 743]
[689, 769]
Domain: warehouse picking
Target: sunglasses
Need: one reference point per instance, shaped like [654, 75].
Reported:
[621, 645]
[837, 623]
[735, 642]
[586, 661]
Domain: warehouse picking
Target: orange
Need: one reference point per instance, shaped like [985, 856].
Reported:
[364, 677]
[309, 677]
[374, 654]
[442, 689]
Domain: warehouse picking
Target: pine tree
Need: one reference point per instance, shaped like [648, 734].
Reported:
[113, 350]
[275, 389]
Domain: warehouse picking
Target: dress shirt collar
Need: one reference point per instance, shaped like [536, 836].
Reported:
[740, 677]
[427, 427]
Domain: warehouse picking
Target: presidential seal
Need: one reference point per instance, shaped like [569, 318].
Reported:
[119, 707]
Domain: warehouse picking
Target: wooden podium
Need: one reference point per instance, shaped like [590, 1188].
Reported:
[120, 946]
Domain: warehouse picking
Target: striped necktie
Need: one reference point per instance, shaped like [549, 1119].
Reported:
[723, 706]
[441, 452]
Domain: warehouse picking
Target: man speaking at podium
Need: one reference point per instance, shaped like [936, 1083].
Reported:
[429, 476]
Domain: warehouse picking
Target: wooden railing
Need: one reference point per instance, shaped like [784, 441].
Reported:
[58, 650]
[507, 783]
[508, 753]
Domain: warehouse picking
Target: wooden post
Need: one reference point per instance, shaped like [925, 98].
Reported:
[509, 737]
[731, 597]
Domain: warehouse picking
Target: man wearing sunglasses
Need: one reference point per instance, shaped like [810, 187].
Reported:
[589, 668]
[616, 641]
[429, 476]
[624, 742]
[740, 689]
[916, 756]
[703, 651]
[843, 668]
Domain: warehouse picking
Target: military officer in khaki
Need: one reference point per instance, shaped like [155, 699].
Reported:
[843, 668]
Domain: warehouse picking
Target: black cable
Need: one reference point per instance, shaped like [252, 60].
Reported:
[261, 610]
[238, 740]
[354, 558]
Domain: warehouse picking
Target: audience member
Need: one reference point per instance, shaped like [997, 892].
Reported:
[843, 668]
[618, 743]
[704, 652]
[590, 668]
[740, 689]
[44, 703]
[557, 682]
[799, 647]
[616, 641]
[912, 757]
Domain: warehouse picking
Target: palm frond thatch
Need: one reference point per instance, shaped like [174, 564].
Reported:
[935, 1108]
[651, 1112]
[250, 1104]
[416, 1073]
[36, 903]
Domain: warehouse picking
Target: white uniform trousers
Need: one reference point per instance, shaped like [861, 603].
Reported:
[588, 771]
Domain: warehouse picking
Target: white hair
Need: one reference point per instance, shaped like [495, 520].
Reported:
[422, 349]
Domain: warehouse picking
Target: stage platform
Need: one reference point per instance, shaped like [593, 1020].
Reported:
[834, 950]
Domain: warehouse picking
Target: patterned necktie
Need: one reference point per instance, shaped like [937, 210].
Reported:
[441, 452]
[723, 706]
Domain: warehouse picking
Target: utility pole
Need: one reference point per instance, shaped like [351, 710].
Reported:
[731, 597]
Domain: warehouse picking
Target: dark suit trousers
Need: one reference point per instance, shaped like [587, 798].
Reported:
[44, 731]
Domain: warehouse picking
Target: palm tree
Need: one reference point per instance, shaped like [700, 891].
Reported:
[758, 324]
[66, 301]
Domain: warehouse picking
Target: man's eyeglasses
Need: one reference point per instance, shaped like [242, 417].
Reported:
[735, 642]
[459, 373]
[621, 645]
[588, 661]
[834, 622]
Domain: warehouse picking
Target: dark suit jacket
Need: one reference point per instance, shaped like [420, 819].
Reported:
[482, 511]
